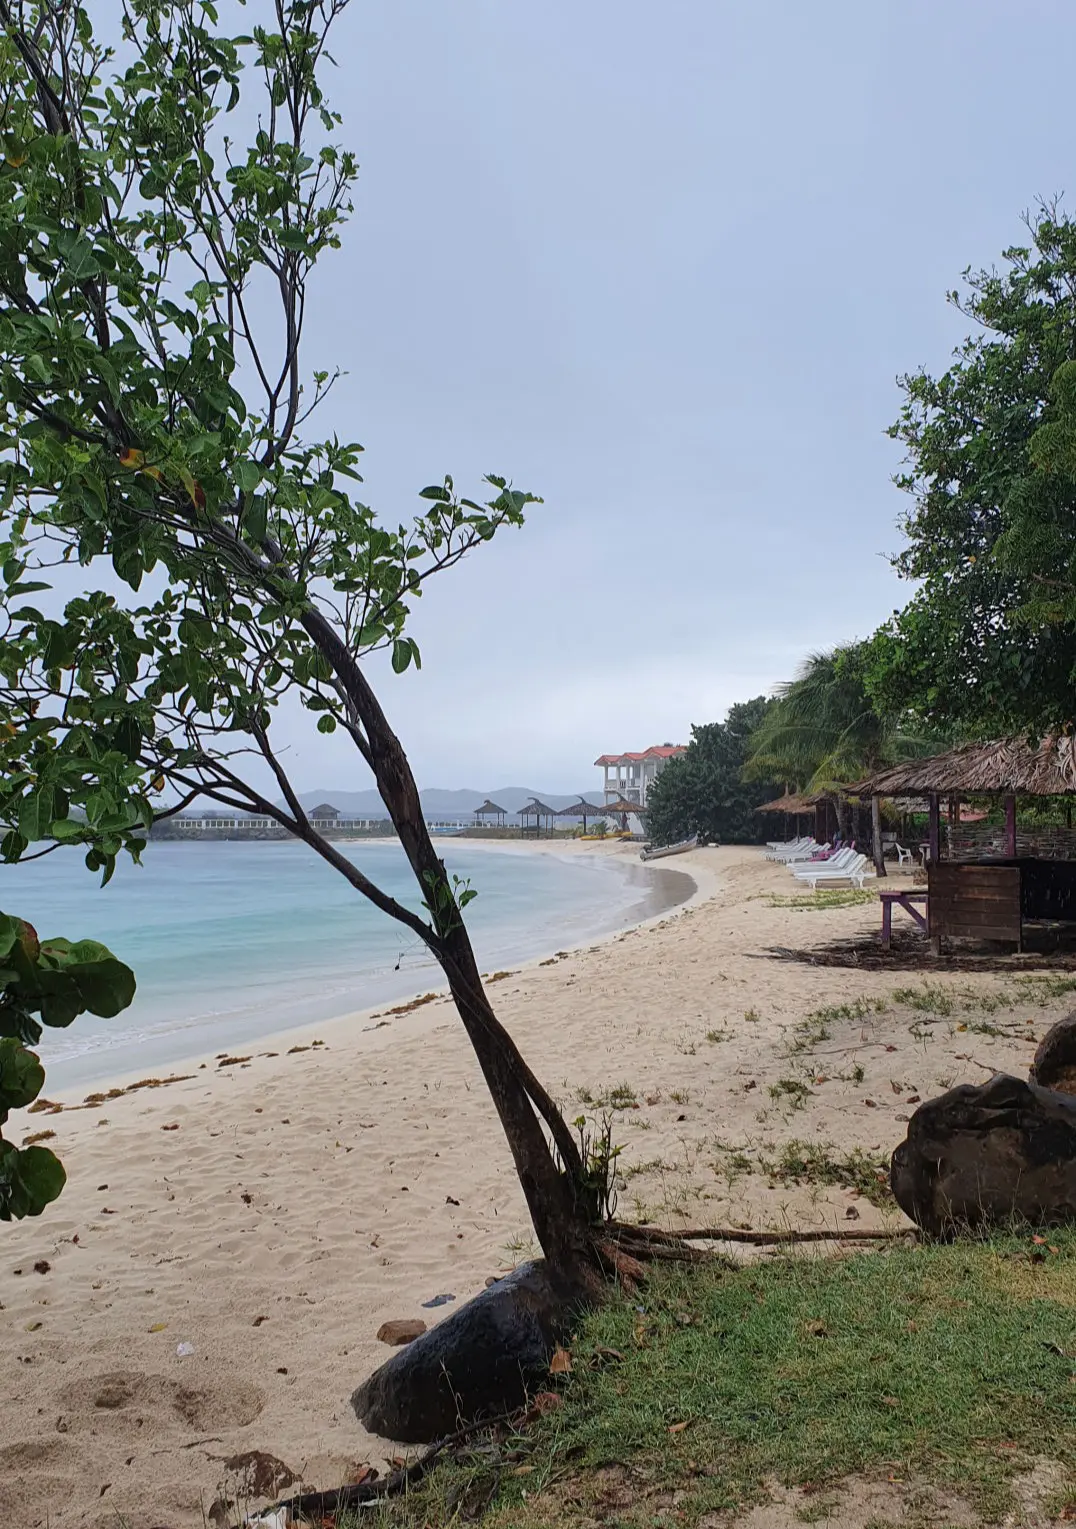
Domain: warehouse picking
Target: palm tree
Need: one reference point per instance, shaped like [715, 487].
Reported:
[825, 731]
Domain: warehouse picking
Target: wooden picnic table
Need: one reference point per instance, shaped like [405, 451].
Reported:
[906, 899]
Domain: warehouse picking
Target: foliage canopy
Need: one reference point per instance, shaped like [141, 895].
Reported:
[154, 435]
[703, 791]
[988, 641]
[152, 407]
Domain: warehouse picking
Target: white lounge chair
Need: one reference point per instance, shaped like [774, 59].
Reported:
[855, 871]
[802, 852]
[801, 868]
[779, 851]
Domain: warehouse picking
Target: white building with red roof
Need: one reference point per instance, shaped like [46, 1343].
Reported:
[630, 776]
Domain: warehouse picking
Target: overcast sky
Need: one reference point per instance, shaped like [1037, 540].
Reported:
[662, 265]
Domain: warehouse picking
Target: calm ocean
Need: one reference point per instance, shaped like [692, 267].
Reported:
[231, 942]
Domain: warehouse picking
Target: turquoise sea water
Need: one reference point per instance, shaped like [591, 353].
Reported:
[231, 942]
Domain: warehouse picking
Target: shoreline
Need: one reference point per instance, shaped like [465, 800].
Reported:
[675, 900]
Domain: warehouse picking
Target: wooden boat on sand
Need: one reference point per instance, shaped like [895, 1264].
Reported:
[660, 851]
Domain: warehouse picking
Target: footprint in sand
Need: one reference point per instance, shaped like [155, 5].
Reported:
[104, 1403]
[37, 1471]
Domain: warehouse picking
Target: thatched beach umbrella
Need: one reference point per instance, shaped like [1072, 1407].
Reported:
[581, 809]
[792, 802]
[622, 809]
[537, 810]
[489, 809]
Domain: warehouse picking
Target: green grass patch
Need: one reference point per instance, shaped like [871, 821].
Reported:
[825, 897]
[949, 1367]
[792, 1090]
[621, 1096]
[812, 1162]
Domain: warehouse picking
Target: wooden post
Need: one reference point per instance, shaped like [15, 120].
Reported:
[935, 829]
[1010, 827]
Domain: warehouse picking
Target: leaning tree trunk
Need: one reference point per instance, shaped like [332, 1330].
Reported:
[876, 833]
[562, 1204]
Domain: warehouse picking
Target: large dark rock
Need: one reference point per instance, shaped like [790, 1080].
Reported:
[987, 1155]
[485, 1359]
[1055, 1061]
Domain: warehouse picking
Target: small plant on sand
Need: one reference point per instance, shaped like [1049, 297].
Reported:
[599, 1155]
[808, 1034]
[621, 1096]
[752, 1016]
[715, 1037]
[855, 1074]
[858, 1008]
[930, 998]
[790, 1090]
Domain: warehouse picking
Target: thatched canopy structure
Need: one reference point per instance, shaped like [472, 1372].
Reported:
[581, 809]
[1006, 767]
[621, 807]
[792, 802]
[490, 809]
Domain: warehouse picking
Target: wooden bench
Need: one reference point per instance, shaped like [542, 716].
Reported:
[906, 900]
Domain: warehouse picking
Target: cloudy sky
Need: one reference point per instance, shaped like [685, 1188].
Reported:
[661, 264]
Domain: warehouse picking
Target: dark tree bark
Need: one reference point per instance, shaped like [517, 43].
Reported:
[561, 1203]
[876, 834]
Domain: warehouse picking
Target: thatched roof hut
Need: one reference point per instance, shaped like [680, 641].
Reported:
[489, 809]
[537, 809]
[792, 802]
[1006, 767]
[581, 809]
[621, 807]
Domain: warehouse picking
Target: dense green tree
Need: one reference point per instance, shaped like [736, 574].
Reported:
[988, 640]
[703, 791]
[825, 732]
[154, 406]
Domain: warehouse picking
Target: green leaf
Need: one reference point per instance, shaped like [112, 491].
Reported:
[22, 1076]
[80, 262]
[248, 475]
[255, 518]
[30, 1179]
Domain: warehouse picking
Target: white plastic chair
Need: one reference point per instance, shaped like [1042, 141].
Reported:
[904, 856]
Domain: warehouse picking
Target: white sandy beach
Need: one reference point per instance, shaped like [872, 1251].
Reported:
[273, 1212]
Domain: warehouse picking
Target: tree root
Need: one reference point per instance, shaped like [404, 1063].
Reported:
[312, 1505]
[645, 1242]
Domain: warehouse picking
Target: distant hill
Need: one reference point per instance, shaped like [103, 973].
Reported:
[442, 804]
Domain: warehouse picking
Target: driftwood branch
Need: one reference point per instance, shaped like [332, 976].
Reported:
[643, 1238]
[367, 1493]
